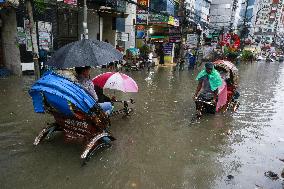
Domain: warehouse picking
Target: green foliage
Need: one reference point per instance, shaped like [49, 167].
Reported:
[247, 55]
[144, 50]
[39, 6]
[230, 54]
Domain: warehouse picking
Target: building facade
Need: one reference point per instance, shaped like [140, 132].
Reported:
[201, 10]
[269, 21]
[224, 14]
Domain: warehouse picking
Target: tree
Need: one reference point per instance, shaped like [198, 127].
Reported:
[33, 38]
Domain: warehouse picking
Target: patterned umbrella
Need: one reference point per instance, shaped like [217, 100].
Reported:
[228, 66]
[116, 80]
[85, 52]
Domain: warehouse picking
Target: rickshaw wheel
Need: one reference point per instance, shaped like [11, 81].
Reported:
[103, 145]
[45, 133]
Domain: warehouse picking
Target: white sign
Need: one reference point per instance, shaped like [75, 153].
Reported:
[122, 36]
[176, 22]
[192, 39]
[44, 35]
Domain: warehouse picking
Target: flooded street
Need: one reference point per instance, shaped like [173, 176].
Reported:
[158, 146]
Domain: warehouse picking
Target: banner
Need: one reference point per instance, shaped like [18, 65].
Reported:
[141, 19]
[158, 19]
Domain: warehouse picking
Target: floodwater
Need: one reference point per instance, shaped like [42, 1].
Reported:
[157, 147]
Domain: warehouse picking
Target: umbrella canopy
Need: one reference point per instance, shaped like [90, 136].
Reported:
[116, 80]
[85, 52]
[228, 66]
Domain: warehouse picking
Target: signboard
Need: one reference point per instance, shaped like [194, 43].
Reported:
[122, 36]
[140, 27]
[168, 47]
[45, 35]
[140, 34]
[174, 31]
[174, 39]
[70, 2]
[171, 21]
[176, 22]
[158, 19]
[144, 4]
[192, 39]
[141, 18]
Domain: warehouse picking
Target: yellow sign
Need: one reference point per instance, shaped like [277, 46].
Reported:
[171, 20]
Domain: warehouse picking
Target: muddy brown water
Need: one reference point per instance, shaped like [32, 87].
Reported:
[157, 147]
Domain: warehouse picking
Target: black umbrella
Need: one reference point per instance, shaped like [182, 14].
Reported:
[86, 52]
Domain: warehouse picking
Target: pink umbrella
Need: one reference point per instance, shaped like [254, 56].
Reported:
[116, 80]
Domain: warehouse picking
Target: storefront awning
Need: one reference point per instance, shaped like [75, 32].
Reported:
[158, 37]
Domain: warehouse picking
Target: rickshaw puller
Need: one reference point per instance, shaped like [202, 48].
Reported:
[209, 81]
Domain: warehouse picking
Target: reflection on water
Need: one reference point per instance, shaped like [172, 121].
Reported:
[157, 147]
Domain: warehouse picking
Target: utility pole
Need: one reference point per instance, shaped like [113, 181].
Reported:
[85, 22]
[244, 26]
[34, 39]
[182, 17]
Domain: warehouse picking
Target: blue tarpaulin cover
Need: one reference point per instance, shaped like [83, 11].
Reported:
[59, 92]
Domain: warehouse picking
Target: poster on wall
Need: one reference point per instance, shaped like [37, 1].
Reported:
[27, 28]
[45, 35]
[21, 36]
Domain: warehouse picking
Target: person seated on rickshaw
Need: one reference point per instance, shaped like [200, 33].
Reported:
[209, 80]
[83, 77]
[232, 91]
[102, 97]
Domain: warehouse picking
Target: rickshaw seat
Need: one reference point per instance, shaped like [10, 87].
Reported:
[60, 93]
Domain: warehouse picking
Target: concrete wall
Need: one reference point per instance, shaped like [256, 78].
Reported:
[129, 27]
[93, 24]
[108, 33]
[9, 35]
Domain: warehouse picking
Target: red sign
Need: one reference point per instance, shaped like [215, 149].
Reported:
[143, 8]
[140, 27]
